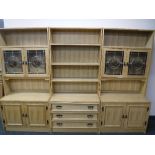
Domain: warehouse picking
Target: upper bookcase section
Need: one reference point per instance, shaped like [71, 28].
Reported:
[128, 38]
[88, 37]
[24, 37]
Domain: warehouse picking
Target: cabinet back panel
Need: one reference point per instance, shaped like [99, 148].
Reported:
[74, 87]
[76, 36]
[75, 72]
[28, 85]
[23, 37]
[75, 54]
[126, 38]
[121, 86]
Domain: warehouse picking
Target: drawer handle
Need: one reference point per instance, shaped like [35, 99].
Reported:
[59, 116]
[59, 124]
[90, 107]
[59, 107]
[90, 116]
[89, 124]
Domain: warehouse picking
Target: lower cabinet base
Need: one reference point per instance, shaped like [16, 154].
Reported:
[28, 129]
[123, 131]
[76, 130]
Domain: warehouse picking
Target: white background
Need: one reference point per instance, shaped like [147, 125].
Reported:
[112, 23]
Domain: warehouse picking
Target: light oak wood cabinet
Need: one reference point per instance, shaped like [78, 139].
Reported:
[75, 79]
[124, 117]
[25, 116]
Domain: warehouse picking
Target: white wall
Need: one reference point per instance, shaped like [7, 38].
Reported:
[135, 24]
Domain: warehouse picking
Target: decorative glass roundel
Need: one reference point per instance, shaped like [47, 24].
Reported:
[138, 63]
[36, 61]
[13, 61]
[114, 62]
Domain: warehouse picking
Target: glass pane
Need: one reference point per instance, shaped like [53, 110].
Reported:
[137, 63]
[114, 62]
[36, 61]
[13, 62]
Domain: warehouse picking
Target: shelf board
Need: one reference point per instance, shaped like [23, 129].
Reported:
[74, 80]
[61, 44]
[73, 98]
[25, 46]
[26, 96]
[74, 64]
[122, 78]
[127, 47]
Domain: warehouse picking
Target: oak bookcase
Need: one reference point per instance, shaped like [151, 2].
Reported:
[75, 79]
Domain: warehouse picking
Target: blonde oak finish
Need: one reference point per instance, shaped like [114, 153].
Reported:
[74, 80]
[23, 116]
[125, 112]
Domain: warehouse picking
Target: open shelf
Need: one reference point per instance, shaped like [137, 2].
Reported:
[120, 98]
[27, 96]
[128, 38]
[60, 44]
[74, 54]
[73, 80]
[78, 97]
[74, 64]
[23, 37]
[76, 36]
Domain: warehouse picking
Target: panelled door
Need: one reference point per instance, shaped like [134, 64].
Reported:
[12, 115]
[37, 61]
[112, 116]
[36, 115]
[113, 62]
[13, 62]
[136, 116]
[137, 63]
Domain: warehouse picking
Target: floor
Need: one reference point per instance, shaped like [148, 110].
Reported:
[150, 131]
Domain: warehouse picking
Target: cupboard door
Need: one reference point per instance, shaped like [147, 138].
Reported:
[137, 63]
[112, 116]
[36, 61]
[136, 116]
[13, 61]
[36, 115]
[113, 62]
[12, 115]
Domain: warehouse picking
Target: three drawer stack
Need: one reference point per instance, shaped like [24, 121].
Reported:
[80, 115]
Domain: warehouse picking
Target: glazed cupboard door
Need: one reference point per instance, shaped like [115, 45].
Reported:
[112, 116]
[37, 61]
[13, 62]
[36, 115]
[12, 115]
[113, 62]
[137, 63]
[136, 116]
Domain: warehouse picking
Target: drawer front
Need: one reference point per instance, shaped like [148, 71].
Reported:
[62, 116]
[61, 107]
[74, 125]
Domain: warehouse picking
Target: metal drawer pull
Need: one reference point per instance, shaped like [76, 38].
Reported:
[59, 107]
[89, 124]
[90, 116]
[90, 107]
[59, 116]
[59, 124]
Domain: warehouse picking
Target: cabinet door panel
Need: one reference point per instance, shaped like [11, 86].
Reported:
[112, 116]
[137, 63]
[36, 61]
[36, 115]
[13, 63]
[136, 116]
[13, 115]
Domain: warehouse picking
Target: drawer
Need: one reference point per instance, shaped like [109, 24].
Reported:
[74, 125]
[74, 116]
[71, 107]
